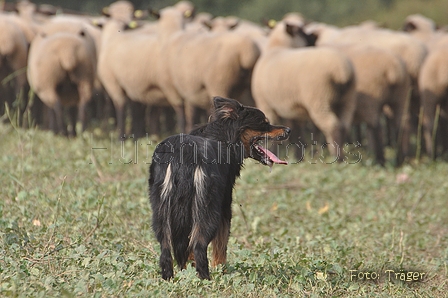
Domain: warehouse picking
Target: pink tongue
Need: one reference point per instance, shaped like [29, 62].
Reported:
[272, 156]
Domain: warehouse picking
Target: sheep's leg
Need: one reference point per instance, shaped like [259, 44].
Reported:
[297, 139]
[176, 102]
[39, 110]
[52, 120]
[21, 87]
[402, 125]
[180, 116]
[333, 130]
[26, 108]
[120, 113]
[82, 115]
[153, 119]
[376, 143]
[47, 117]
[190, 113]
[108, 110]
[85, 95]
[138, 119]
[267, 110]
[21, 94]
[170, 123]
[443, 128]
[429, 111]
[119, 100]
[389, 131]
[357, 132]
[72, 114]
[59, 119]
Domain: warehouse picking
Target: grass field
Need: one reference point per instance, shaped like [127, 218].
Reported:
[76, 222]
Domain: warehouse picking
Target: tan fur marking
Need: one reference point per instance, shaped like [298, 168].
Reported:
[249, 134]
[219, 243]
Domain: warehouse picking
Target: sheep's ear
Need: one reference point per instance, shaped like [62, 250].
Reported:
[226, 107]
[97, 23]
[310, 38]
[208, 24]
[105, 11]
[154, 13]
[234, 25]
[47, 9]
[443, 28]
[409, 27]
[291, 29]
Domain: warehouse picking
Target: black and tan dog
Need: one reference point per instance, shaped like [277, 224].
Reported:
[191, 179]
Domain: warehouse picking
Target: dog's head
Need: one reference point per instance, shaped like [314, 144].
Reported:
[250, 126]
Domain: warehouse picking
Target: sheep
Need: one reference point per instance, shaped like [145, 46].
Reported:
[420, 27]
[222, 24]
[294, 18]
[203, 65]
[74, 24]
[25, 19]
[244, 27]
[433, 79]
[13, 59]
[433, 84]
[185, 7]
[61, 71]
[128, 69]
[411, 50]
[381, 79]
[305, 83]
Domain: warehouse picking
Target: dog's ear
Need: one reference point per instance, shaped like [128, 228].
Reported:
[226, 107]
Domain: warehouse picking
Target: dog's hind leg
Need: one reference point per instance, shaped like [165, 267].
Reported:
[200, 256]
[180, 248]
[199, 240]
[166, 261]
[162, 231]
[219, 243]
[191, 258]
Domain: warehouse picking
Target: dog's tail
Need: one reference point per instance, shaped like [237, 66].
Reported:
[198, 204]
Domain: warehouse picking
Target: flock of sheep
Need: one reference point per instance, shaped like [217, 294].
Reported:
[293, 70]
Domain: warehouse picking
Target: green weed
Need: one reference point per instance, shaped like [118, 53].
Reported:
[75, 221]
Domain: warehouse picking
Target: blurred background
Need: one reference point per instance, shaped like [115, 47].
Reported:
[389, 13]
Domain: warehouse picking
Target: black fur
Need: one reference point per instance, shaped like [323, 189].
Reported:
[191, 179]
